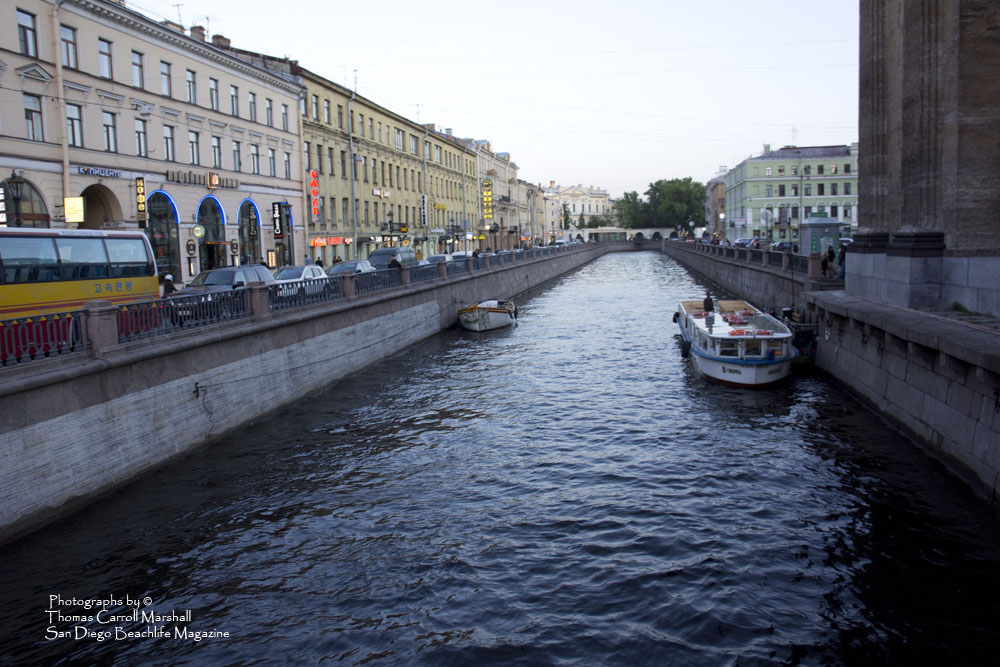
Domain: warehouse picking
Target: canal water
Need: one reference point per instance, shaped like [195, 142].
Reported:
[568, 491]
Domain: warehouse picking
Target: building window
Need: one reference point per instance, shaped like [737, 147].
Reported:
[820, 189]
[74, 125]
[400, 139]
[237, 161]
[315, 107]
[68, 37]
[437, 154]
[165, 87]
[27, 35]
[305, 150]
[216, 152]
[138, 80]
[781, 190]
[847, 188]
[213, 94]
[364, 168]
[271, 162]
[141, 139]
[833, 189]
[833, 169]
[193, 151]
[795, 190]
[192, 87]
[847, 168]
[374, 171]
[343, 164]
[781, 171]
[329, 156]
[269, 112]
[288, 165]
[326, 111]
[767, 171]
[343, 211]
[847, 211]
[795, 171]
[833, 210]
[284, 117]
[110, 132]
[371, 128]
[104, 58]
[319, 158]
[254, 159]
[234, 101]
[168, 144]
[414, 145]
[340, 117]
[253, 107]
[795, 212]
[819, 169]
[361, 118]
[808, 189]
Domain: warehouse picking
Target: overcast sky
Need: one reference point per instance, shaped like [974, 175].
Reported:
[615, 94]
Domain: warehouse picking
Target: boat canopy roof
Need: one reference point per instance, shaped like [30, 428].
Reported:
[735, 318]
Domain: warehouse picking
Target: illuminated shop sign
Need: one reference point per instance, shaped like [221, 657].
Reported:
[314, 193]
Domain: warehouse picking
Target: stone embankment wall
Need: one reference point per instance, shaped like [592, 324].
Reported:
[933, 379]
[73, 428]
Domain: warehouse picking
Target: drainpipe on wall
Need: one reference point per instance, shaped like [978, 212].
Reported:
[354, 169]
[61, 98]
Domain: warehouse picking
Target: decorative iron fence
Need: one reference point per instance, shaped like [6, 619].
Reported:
[304, 292]
[26, 339]
[419, 274]
[373, 281]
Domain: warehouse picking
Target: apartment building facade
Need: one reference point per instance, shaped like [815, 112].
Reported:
[114, 120]
[580, 203]
[767, 196]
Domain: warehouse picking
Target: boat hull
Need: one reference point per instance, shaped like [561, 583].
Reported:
[486, 316]
[743, 374]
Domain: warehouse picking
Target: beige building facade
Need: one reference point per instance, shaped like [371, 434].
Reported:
[579, 201]
[136, 124]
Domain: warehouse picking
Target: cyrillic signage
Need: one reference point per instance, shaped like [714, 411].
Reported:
[314, 193]
[487, 199]
[140, 199]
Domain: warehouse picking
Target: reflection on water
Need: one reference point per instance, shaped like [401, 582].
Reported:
[565, 491]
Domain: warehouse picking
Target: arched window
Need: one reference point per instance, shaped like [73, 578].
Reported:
[163, 234]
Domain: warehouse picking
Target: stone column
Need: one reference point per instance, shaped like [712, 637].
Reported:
[102, 327]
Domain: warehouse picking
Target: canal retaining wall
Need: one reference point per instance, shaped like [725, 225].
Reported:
[934, 379]
[72, 429]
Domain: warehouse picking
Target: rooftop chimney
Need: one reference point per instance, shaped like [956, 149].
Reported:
[447, 131]
[220, 42]
[198, 32]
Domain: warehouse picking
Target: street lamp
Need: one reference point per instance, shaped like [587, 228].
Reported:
[15, 186]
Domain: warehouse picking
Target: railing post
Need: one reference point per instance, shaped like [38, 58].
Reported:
[102, 327]
[349, 290]
[468, 264]
[442, 269]
[260, 302]
[815, 262]
[786, 260]
[404, 275]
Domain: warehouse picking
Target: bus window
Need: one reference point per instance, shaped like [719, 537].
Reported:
[27, 259]
[82, 258]
[128, 258]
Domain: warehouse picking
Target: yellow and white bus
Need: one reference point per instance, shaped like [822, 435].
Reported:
[47, 271]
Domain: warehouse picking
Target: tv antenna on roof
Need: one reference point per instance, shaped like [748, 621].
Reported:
[178, 6]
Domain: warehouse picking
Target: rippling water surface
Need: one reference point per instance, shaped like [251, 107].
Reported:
[568, 491]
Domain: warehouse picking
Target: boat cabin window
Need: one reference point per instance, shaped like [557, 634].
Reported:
[729, 348]
[702, 340]
[754, 348]
[775, 346]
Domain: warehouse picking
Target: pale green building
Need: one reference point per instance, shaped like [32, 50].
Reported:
[767, 196]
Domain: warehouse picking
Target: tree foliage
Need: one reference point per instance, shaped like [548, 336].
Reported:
[679, 202]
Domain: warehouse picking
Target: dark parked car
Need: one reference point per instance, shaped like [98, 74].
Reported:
[785, 246]
[343, 268]
[227, 278]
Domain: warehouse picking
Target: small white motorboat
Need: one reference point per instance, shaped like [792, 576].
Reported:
[486, 315]
[736, 343]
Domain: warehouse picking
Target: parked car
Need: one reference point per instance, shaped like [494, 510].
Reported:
[227, 278]
[381, 258]
[785, 246]
[344, 268]
[742, 243]
[314, 278]
[434, 259]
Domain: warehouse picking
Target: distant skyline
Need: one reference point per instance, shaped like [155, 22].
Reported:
[611, 95]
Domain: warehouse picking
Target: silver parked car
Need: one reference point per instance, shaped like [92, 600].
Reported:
[313, 279]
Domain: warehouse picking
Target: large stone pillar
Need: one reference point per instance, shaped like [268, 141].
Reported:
[929, 162]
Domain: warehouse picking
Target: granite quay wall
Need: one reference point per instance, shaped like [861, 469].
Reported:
[933, 379]
[75, 427]
[769, 280]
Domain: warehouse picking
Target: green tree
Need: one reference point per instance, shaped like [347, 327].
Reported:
[679, 202]
[582, 222]
[630, 210]
[565, 217]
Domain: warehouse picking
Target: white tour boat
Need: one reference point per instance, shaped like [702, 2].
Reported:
[487, 315]
[736, 343]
